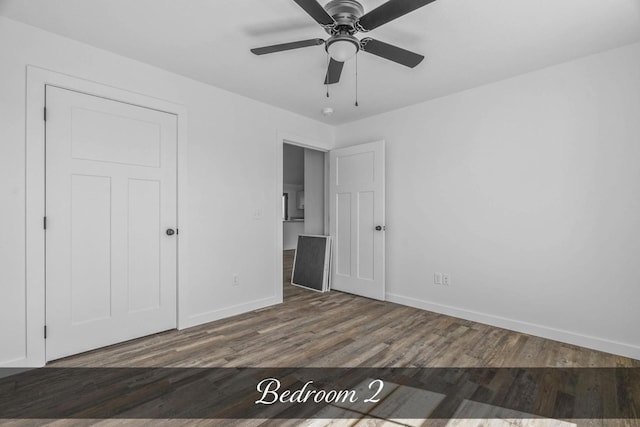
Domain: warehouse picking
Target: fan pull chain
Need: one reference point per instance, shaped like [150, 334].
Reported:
[326, 79]
[356, 79]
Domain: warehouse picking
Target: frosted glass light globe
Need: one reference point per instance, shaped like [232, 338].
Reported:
[342, 50]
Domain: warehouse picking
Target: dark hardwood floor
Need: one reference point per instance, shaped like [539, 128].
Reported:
[339, 330]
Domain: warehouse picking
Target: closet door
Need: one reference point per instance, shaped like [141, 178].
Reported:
[110, 203]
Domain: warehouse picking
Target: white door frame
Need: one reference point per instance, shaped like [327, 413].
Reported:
[37, 79]
[304, 142]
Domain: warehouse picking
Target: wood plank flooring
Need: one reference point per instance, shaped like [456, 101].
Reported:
[335, 329]
[315, 330]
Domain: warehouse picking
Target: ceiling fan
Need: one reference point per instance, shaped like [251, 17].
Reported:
[342, 19]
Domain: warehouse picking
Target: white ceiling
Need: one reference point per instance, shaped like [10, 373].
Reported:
[466, 43]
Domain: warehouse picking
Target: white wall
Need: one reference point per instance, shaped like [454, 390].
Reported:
[293, 165]
[313, 191]
[226, 185]
[290, 232]
[527, 192]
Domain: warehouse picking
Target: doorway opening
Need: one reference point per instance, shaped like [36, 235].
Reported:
[304, 204]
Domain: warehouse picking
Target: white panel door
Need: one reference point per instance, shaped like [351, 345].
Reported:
[357, 219]
[110, 198]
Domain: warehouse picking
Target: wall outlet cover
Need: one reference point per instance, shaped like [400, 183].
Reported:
[437, 278]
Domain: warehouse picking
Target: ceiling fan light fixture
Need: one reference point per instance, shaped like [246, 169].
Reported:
[342, 49]
[342, 20]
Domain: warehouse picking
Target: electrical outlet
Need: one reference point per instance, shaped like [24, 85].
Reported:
[446, 279]
[437, 278]
[236, 280]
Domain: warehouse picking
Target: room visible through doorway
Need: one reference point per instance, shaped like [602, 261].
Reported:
[303, 200]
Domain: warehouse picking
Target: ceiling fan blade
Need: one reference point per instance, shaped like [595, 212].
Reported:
[391, 52]
[389, 11]
[333, 72]
[317, 12]
[286, 46]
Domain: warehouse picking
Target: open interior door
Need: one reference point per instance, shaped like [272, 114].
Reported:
[357, 219]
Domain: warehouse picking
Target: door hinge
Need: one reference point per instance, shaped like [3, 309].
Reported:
[44, 222]
[45, 114]
[45, 332]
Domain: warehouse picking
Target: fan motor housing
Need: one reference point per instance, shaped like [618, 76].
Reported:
[345, 12]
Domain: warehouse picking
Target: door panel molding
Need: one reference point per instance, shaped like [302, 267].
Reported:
[37, 79]
[357, 219]
[106, 236]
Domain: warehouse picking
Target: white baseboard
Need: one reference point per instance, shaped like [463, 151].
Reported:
[595, 343]
[210, 316]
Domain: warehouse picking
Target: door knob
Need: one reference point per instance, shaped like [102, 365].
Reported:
[170, 232]
[379, 228]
